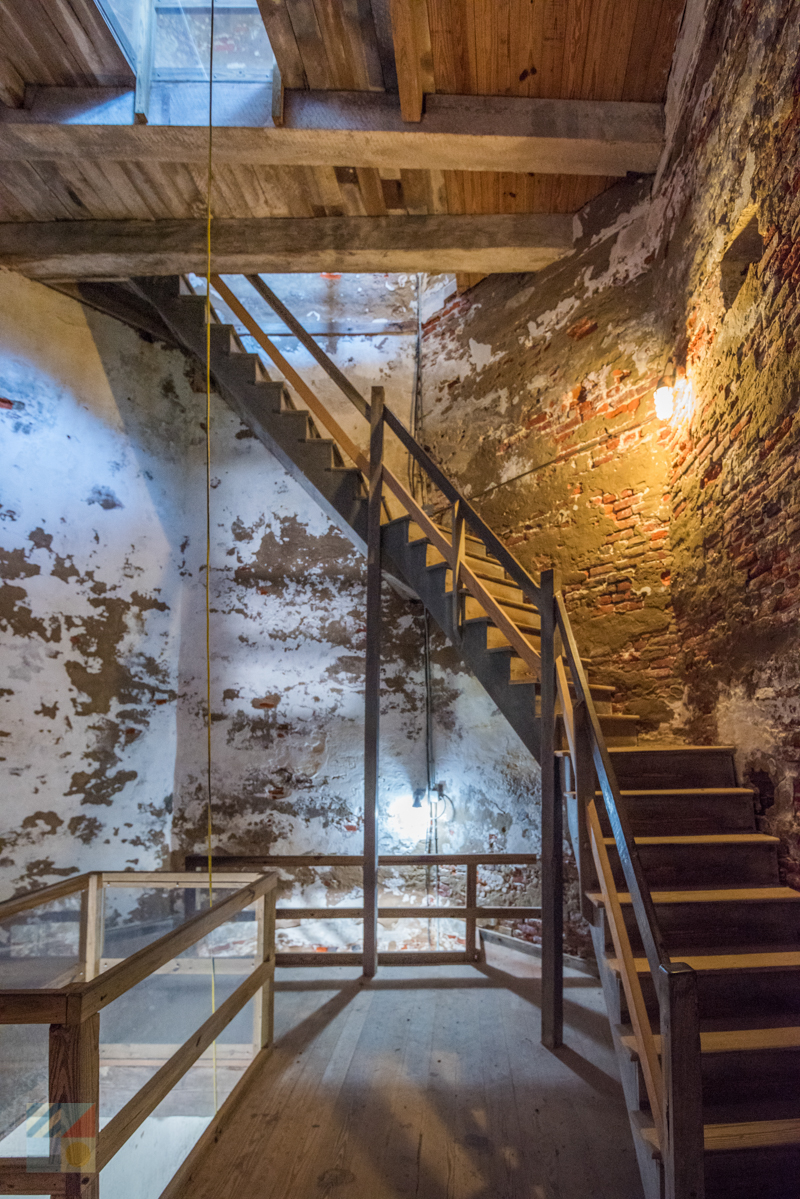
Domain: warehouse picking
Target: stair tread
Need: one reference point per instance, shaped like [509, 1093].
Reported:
[776, 960]
[702, 791]
[683, 749]
[755, 1134]
[720, 895]
[735, 1040]
[705, 839]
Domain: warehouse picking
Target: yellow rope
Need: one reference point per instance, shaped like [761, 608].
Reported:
[209, 821]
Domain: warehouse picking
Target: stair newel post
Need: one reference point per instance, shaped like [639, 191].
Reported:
[682, 1135]
[552, 834]
[372, 685]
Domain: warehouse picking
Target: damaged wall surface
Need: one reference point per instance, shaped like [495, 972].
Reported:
[676, 538]
[103, 628]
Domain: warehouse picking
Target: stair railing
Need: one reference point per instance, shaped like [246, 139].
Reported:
[672, 1076]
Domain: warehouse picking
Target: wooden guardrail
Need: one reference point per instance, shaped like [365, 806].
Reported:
[470, 912]
[72, 1009]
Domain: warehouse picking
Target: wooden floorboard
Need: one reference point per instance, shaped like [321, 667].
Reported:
[428, 1083]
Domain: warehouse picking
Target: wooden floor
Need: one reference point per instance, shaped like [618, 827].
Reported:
[429, 1082]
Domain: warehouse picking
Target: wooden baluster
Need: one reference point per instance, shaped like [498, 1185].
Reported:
[91, 927]
[458, 542]
[682, 1137]
[372, 685]
[264, 999]
[74, 1070]
[552, 834]
[471, 902]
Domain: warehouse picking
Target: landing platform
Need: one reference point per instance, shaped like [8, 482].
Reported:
[427, 1083]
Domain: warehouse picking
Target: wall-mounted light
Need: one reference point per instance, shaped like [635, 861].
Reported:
[418, 794]
[664, 394]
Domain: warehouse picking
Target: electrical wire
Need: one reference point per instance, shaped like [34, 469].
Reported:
[209, 815]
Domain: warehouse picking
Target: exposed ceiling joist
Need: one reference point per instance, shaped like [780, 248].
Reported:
[411, 34]
[357, 129]
[436, 244]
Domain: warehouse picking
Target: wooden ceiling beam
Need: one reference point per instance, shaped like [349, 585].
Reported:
[354, 129]
[411, 33]
[436, 244]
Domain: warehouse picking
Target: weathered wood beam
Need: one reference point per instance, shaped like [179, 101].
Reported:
[355, 129]
[437, 244]
[411, 34]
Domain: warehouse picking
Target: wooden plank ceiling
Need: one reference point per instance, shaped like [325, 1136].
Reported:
[567, 49]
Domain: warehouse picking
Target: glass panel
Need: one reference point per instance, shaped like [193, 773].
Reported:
[40, 948]
[137, 916]
[183, 33]
[23, 1081]
[413, 935]
[318, 887]
[146, 1162]
[126, 18]
[145, 1026]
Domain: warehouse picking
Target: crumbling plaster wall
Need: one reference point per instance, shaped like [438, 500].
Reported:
[676, 540]
[103, 634]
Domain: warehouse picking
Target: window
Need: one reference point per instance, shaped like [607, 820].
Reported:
[744, 250]
[182, 35]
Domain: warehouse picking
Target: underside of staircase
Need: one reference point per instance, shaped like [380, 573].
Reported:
[712, 875]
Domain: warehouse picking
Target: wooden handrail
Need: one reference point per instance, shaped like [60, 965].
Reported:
[35, 899]
[93, 996]
[317, 408]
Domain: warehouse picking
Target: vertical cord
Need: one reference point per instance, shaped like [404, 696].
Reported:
[433, 809]
[209, 821]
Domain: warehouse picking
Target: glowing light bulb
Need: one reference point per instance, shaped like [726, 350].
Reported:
[665, 402]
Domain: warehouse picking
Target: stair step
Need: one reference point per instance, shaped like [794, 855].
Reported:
[737, 1040]
[758, 1134]
[735, 918]
[710, 963]
[618, 729]
[674, 766]
[723, 895]
[484, 568]
[710, 859]
[525, 615]
[693, 809]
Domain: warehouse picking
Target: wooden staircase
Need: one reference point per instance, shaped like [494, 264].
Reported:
[698, 944]
[716, 890]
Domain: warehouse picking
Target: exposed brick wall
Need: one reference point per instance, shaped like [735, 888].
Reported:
[677, 541]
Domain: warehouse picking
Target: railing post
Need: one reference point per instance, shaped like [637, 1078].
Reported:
[264, 999]
[458, 535]
[584, 794]
[471, 902]
[74, 1070]
[552, 835]
[372, 686]
[682, 1136]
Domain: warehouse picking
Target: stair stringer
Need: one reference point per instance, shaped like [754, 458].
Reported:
[284, 432]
